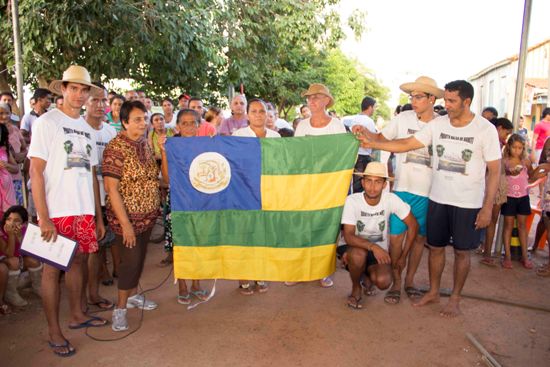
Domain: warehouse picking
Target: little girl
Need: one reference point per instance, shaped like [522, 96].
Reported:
[518, 171]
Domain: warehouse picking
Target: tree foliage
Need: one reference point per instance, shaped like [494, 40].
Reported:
[274, 48]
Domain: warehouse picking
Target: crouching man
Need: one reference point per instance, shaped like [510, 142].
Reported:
[365, 222]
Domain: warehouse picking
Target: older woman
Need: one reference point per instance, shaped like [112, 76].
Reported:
[18, 150]
[188, 122]
[131, 183]
[257, 128]
[113, 117]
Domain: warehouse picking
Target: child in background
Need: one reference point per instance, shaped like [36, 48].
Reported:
[504, 128]
[12, 230]
[518, 171]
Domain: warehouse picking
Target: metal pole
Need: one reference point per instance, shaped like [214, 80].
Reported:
[18, 57]
[520, 82]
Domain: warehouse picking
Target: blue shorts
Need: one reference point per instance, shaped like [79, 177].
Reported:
[419, 208]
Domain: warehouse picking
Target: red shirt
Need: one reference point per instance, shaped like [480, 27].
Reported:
[542, 129]
[207, 129]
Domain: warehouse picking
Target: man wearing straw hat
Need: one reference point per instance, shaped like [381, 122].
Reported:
[465, 145]
[66, 195]
[365, 220]
[413, 179]
[319, 123]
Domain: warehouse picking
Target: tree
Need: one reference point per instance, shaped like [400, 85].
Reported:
[349, 82]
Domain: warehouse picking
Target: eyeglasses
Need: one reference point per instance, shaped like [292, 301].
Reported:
[417, 97]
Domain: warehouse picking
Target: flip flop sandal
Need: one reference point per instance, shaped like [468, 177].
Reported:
[544, 272]
[245, 289]
[70, 349]
[527, 264]
[326, 282]
[370, 290]
[202, 295]
[413, 292]
[489, 261]
[261, 287]
[5, 309]
[110, 305]
[89, 323]
[184, 300]
[507, 264]
[392, 297]
[355, 303]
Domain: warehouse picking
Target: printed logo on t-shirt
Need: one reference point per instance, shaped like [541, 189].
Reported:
[453, 153]
[422, 156]
[78, 148]
[370, 231]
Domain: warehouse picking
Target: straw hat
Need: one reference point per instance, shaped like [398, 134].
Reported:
[317, 88]
[375, 169]
[74, 74]
[423, 84]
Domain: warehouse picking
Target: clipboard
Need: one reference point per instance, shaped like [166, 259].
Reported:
[58, 254]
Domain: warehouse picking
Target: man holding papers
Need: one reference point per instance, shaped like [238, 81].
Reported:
[66, 194]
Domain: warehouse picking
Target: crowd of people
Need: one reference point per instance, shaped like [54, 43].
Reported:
[101, 178]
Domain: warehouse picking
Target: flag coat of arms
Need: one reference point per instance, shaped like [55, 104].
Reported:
[260, 209]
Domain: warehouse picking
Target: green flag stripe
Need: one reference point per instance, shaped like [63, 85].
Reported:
[318, 154]
[256, 228]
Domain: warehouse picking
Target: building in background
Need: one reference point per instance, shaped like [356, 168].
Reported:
[495, 85]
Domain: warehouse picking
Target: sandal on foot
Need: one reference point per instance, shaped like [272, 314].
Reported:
[68, 347]
[489, 261]
[245, 289]
[507, 264]
[527, 264]
[326, 282]
[369, 290]
[184, 300]
[544, 272]
[90, 323]
[261, 287]
[107, 282]
[5, 309]
[103, 304]
[290, 284]
[392, 297]
[413, 292]
[355, 303]
[201, 294]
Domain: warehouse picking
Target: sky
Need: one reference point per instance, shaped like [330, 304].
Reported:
[446, 40]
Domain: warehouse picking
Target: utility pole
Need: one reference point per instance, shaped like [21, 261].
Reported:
[520, 81]
[18, 56]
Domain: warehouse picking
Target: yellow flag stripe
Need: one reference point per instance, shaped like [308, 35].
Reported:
[254, 263]
[305, 192]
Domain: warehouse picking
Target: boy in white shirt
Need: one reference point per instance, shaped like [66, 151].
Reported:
[365, 220]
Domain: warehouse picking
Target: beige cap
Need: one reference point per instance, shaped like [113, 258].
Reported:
[74, 74]
[375, 169]
[423, 84]
[317, 88]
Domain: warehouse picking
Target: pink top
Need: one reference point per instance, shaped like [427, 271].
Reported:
[4, 236]
[14, 139]
[517, 185]
[542, 129]
[7, 192]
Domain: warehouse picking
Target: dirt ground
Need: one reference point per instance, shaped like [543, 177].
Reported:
[304, 325]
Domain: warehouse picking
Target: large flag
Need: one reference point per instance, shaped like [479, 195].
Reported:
[259, 209]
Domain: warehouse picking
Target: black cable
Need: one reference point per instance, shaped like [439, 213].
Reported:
[141, 316]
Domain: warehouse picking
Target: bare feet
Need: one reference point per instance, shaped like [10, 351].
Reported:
[451, 309]
[427, 299]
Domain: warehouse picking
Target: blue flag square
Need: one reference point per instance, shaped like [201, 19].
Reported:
[219, 173]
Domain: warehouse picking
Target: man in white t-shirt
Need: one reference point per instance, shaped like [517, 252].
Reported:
[320, 123]
[42, 101]
[461, 199]
[66, 195]
[413, 174]
[95, 112]
[364, 119]
[365, 220]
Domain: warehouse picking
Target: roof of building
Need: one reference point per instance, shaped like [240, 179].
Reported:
[506, 61]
